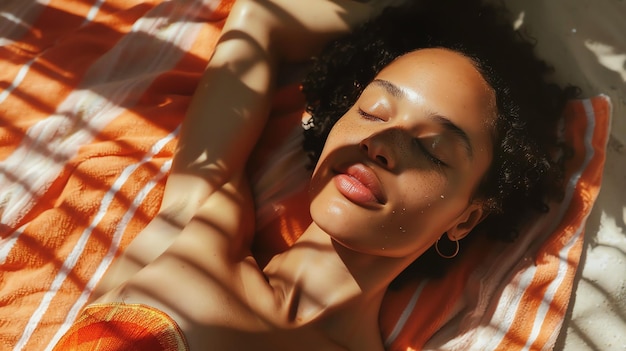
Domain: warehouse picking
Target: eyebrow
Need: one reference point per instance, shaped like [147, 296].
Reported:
[391, 88]
[455, 130]
[445, 122]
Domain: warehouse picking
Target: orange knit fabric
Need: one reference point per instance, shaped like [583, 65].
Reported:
[118, 326]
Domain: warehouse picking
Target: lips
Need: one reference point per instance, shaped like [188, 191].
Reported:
[360, 185]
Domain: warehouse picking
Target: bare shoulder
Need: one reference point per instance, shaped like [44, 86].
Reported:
[204, 276]
[299, 29]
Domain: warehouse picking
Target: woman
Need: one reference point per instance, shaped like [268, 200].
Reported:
[412, 159]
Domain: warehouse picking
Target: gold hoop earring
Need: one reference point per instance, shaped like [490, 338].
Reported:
[456, 251]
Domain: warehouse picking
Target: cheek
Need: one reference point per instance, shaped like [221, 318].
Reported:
[429, 205]
[423, 190]
[336, 139]
[322, 173]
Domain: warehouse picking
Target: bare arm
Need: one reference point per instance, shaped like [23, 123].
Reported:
[199, 273]
[232, 102]
[231, 105]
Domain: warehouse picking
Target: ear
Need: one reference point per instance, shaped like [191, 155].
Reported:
[473, 214]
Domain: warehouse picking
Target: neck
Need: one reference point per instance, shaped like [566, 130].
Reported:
[337, 290]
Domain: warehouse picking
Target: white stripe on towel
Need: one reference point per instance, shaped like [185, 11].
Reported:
[17, 19]
[527, 277]
[120, 229]
[406, 313]
[563, 263]
[180, 34]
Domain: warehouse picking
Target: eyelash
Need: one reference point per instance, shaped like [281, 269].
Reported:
[421, 146]
[430, 156]
[368, 116]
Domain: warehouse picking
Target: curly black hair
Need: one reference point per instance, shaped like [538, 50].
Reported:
[524, 173]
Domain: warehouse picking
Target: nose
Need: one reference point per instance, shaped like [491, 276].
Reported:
[382, 148]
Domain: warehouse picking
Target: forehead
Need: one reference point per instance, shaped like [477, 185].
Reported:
[443, 80]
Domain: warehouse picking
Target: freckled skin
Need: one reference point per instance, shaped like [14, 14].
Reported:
[425, 200]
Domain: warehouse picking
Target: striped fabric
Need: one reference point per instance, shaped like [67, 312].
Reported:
[515, 296]
[91, 96]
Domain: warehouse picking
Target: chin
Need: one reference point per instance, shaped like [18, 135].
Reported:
[332, 217]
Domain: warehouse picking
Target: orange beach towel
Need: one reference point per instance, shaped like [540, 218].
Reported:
[91, 95]
[123, 327]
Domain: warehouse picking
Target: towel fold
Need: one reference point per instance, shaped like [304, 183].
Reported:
[122, 327]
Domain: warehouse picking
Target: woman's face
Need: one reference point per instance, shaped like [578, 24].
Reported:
[400, 167]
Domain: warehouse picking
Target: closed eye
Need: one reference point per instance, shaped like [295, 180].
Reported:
[419, 144]
[429, 155]
[368, 115]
